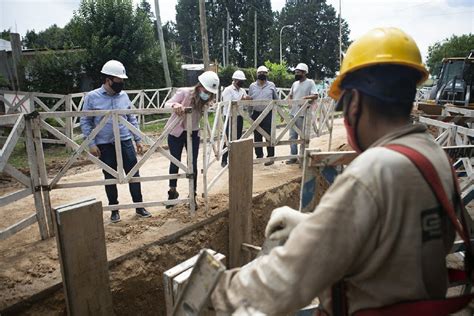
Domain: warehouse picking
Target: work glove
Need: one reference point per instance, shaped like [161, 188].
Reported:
[282, 221]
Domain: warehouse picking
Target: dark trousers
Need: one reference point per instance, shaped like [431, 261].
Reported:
[129, 157]
[176, 145]
[266, 125]
[228, 130]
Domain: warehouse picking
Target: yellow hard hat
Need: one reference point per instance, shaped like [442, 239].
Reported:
[384, 45]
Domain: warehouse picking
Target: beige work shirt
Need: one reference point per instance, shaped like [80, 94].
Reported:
[378, 226]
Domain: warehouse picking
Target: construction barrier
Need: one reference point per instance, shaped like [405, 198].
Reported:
[39, 183]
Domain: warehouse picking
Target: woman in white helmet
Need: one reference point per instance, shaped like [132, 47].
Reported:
[234, 92]
[197, 98]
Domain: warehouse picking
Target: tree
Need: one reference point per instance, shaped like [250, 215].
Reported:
[53, 37]
[456, 46]
[117, 30]
[241, 29]
[314, 38]
[265, 19]
[5, 34]
[56, 72]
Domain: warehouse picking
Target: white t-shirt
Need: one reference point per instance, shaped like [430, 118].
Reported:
[302, 89]
[231, 93]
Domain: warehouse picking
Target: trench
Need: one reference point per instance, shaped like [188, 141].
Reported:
[136, 278]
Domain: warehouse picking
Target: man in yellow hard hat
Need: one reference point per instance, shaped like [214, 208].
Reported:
[378, 236]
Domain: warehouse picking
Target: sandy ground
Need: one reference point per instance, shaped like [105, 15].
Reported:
[28, 265]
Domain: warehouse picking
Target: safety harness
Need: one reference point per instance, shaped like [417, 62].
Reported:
[440, 307]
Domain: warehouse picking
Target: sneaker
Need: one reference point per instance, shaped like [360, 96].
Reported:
[142, 212]
[269, 163]
[223, 164]
[291, 161]
[115, 217]
[172, 195]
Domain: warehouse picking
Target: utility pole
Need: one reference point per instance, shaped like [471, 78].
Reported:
[205, 47]
[340, 36]
[223, 48]
[227, 39]
[164, 58]
[255, 26]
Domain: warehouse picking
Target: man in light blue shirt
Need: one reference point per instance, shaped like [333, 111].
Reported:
[111, 97]
[263, 89]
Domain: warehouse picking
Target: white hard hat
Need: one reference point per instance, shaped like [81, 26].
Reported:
[302, 67]
[262, 69]
[239, 75]
[210, 81]
[114, 68]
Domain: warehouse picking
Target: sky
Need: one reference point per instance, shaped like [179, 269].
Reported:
[427, 21]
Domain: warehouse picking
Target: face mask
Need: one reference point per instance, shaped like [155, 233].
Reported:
[117, 86]
[239, 84]
[262, 77]
[298, 77]
[204, 96]
[352, 137]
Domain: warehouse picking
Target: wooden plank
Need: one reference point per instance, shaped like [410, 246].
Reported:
[17, 175]
[11, 141]
[15, 228]
[200, 285]
[14, 196]
[145, 204]
[168, 277]
[83, 257]
[180, 281]
[8, 119]
[240, 199]
[44, 115]
[115, 181]
[189, 156]
[118, 148]
[35, 181]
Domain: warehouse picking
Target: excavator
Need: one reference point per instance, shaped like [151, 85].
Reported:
[455, 85]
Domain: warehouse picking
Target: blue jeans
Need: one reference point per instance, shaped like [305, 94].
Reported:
[129, 157]
[228, 127]
[176, 145]
[266, 125]
[294, 135]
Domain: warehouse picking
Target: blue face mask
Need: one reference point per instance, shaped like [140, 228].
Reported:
[204, 96]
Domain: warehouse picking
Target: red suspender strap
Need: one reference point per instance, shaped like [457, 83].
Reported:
[428, 171]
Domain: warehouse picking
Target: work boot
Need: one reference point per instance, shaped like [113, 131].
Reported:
[115, 217]
[291, 161]
[269, 163]
[142, 212]
[172, 195]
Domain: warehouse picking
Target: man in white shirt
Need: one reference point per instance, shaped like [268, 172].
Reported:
[233, 92]
[302, 88]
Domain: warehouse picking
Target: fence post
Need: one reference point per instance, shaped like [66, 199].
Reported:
[234, 107]
[35, 181]
[69, 124]
[141, 106]
[308, 118]
[43, 173]
[205, 137]
[189, 155]
[240, 199]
